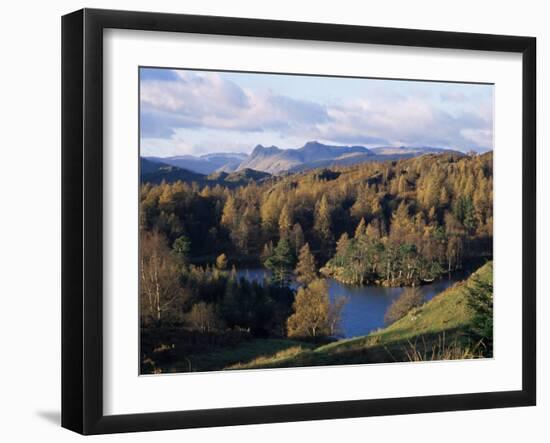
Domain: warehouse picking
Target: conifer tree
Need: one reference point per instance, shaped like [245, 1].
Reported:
[182, 248]
[229, 215]
[361, 229]
[400, 223]
[343, 244]
[281, 263]
[373, 230]
[285, 223]
[323, 221]
[479, 299]
[306, 269]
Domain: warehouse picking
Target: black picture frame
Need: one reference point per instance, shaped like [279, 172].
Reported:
[82, 215]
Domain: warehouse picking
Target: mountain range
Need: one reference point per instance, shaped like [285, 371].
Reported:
[238, 167]
[310, 156]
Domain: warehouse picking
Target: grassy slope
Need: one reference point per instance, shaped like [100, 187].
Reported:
[445, 316]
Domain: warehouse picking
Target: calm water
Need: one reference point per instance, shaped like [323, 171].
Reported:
[366, 306]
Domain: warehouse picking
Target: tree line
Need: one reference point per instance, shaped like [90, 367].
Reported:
[392, 223]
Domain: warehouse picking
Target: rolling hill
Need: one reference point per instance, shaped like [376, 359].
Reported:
[156, 172]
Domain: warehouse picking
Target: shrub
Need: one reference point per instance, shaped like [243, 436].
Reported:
[479, 297]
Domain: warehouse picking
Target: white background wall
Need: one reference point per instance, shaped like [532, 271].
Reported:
[30, 219]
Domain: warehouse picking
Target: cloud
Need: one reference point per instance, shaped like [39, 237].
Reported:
[406, 121]
[481, 137]
[179, 105]
[453, 96]
[209, 101]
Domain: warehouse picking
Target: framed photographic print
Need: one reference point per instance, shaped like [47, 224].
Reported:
[270, 221]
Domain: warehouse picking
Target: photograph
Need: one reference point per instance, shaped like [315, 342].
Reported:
[301, 220]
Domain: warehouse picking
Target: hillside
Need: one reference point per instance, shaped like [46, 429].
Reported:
[441, 322]
[246, 176]
[157, 172]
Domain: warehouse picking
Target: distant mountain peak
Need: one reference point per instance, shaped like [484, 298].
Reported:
[275, 160]
[261, 148]
[312, 143]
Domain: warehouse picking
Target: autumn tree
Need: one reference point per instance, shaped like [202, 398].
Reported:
[313, 314]
[270, 212]
[373, 231]
[247, 234]
[323, 221]
[343, 244]
[230, 213]
[166, 200]
[361, 228]
[401, 223]
[310, 316]
[306, 269]
[285, 223]
[221, 262]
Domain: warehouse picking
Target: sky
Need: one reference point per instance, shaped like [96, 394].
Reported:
[200, 112]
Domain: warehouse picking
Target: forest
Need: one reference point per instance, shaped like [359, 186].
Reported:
[394, 223]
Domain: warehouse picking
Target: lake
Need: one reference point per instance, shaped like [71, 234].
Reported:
[366, 306]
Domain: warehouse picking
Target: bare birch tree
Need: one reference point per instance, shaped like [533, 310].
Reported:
[161, 296]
